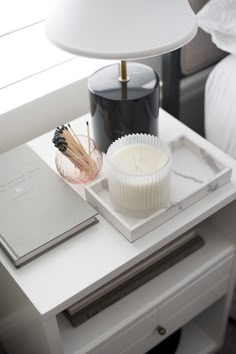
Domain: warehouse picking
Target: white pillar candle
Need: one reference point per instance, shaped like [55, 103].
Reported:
[139, 175]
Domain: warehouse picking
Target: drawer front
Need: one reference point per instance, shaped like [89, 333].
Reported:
[179, 319]
[186, 314]
[129, 335]
[189, 294]
[144, 345]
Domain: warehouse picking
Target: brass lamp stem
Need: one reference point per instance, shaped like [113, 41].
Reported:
[123, 72]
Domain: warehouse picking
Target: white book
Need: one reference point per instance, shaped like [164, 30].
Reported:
[38, 209]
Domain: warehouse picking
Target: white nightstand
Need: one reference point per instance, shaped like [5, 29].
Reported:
[195, 294]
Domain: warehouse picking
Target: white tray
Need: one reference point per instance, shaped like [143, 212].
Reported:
[195, 173]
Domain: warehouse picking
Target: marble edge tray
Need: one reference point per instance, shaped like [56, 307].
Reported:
[97, 193]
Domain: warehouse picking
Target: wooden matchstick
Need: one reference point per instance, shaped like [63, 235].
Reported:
[88, 135]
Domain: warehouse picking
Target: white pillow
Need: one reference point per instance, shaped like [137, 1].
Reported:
[218, 18]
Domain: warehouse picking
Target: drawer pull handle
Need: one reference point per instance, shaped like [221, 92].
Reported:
[161, 330]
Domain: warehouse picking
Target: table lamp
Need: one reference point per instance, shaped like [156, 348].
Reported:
[124, 97]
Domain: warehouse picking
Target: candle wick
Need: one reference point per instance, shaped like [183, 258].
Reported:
[140, 152]
[135, 165]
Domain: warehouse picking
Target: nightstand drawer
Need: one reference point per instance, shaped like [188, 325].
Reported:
[187, 313]
[144, 344]
[129, 335]
[179, 320]
[195, 290]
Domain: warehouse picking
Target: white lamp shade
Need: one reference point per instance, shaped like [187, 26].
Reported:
[120, 29]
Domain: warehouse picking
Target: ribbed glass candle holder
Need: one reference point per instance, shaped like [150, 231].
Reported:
[138, 170]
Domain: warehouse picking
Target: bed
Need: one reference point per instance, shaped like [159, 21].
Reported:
[184, 73]
[210, 58]
[220, 105]
[218, 18]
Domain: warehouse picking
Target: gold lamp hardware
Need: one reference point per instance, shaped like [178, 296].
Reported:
[123, 72]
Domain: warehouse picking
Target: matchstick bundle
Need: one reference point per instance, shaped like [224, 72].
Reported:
[69, 144]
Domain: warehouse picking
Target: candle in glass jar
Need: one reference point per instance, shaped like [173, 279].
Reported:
[139, 159]
[139, 175]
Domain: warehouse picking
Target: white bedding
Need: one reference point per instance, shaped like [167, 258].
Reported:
[220, 106]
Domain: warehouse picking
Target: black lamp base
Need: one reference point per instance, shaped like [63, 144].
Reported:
[121, 108]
